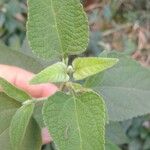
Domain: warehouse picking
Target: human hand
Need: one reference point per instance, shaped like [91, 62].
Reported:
[20, 78]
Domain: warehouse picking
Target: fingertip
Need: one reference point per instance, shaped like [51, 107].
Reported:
[48, 89]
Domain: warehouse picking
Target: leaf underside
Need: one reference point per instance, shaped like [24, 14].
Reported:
[54, 73]
[80, 121]
[57, 28]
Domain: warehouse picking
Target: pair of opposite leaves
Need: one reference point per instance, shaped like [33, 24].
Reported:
[81, 68]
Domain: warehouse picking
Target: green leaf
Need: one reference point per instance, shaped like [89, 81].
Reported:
[136, 144]
[8, 107]
[77, 87]
[54, 73]
[115, 133]
[125, 88]
[37, 114]
[85, 67]
[28, 51]
[13, 91]
[76, 122]
[19, 125]
[57, 28]
[16, 58]
[4, 140]
[32, 139]
[111, 146]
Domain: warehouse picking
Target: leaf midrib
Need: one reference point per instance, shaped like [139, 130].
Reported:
[84, 105]
[55, 21]
[76, 114]
[28, 121]
[87, 66]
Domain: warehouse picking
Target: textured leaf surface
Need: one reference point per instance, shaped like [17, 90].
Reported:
[37, 114]
[125, 88]
[4, 140]
[32, 139]
[19, 125]
[55, 73]
[80, 121]
[28, 51]
[13, 91]
[8, 107]
[57, 28]
[84, 67]
[16, 58]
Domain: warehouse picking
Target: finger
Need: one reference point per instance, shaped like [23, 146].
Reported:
[46, 138]
[20, 78]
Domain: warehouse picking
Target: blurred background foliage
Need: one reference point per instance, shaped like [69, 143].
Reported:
[120, 25]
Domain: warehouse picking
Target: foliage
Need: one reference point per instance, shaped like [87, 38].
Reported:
[75, 27]
[72, 114]
[122, 89]
[83, 115]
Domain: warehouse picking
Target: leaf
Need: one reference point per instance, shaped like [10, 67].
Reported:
[111, 146]
[125, 89]
[115, 133]
[13, 91]
[85, 67]
[54, 73]
[57, 28]
[16, 58]
[4, 140]
[37, 114]
[28, 51]
[77, 87]
[19, 125]
[136, 144]
[8, 107]
[80, 121]
[32, 139]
